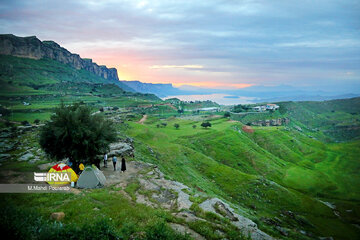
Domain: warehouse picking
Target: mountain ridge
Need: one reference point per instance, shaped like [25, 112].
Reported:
[32, 47]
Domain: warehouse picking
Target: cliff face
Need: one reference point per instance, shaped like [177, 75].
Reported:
[32, 47]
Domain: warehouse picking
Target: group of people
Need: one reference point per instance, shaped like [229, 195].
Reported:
[114, 161]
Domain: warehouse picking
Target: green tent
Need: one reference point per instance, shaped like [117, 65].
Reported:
[91, 177]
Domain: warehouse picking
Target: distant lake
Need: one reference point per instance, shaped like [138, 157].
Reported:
[223, 99]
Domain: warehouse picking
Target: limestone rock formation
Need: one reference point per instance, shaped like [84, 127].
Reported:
[32, 47]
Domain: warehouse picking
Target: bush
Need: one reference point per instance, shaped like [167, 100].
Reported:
[193, 126]
[4, 111]
[36, 121]
[25, 123]
[227, 114]
[206, 124]
[176, 125]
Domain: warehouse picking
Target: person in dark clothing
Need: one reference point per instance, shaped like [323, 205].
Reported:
[123, 165]
[114, 160]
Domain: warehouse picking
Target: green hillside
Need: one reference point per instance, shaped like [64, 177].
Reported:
[331, 121]
[264, 173]
[44, 83]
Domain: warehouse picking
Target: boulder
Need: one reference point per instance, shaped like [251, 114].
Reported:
[223, 210]
[120, 148]
[57, 216]
[26, 157]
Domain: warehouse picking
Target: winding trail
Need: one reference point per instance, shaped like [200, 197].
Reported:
[143, 119]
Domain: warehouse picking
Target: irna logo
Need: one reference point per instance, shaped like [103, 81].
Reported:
[52, 177]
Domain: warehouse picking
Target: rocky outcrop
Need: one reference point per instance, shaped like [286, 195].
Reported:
[32, 47]
[244, 224]
[271, 122]
[154, 190]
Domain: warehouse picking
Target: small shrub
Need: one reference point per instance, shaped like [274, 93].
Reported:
[206, 124]
[25, 123]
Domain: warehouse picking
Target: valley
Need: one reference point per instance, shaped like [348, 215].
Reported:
[294, 180]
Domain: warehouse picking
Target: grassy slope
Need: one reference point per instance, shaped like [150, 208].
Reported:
[225, 162]
[45, 82]
[337, 119]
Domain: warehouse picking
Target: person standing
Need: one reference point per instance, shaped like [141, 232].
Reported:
[81, 167]
[105, 160]
[123, 165]
[114, 160]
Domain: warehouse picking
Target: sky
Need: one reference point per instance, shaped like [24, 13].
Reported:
[221, 44]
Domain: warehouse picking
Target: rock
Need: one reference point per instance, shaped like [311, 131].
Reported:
[187, 216]
[34, 160]
[46, 166]
[270, 221]
[138, 236]
[148, 185]
[26, 157]
[245, 225]
[221, 208]
[183, 200]
[57, 216]
[298, 128]
[186, 230]
[282, 231]
[4, 156]
[119, 148]
[6, 134]
[6, 145]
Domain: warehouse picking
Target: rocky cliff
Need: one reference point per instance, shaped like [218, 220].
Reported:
[32, 47]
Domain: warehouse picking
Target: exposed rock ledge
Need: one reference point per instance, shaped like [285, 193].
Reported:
[32, 47]
[156, 191]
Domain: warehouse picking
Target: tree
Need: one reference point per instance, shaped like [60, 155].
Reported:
[194, 126]
[176, 125]
[164, 124]
[227, 114]
[206, 124]
[74, 133]
[37, 121]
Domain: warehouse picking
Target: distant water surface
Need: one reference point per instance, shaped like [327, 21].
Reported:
[223, 99]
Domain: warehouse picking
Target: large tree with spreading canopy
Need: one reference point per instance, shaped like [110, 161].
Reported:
[74, 133]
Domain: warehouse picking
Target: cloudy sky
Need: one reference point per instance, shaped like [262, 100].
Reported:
[220, 43]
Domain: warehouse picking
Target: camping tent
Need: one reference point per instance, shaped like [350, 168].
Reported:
[91, 177]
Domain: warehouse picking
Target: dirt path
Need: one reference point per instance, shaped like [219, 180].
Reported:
[113, 177]
[143, 119]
